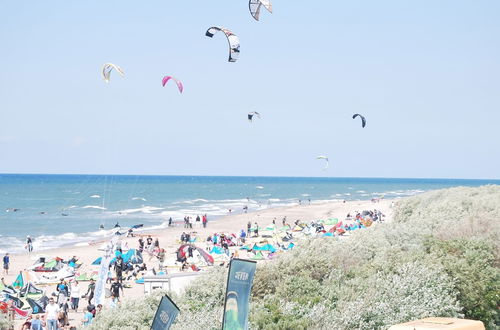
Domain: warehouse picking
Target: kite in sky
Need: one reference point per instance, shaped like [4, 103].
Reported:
[107, 68]
[251, 114]
[327, 162]
[255, 5]
[177, 82]
[234, 41]
[363, 120]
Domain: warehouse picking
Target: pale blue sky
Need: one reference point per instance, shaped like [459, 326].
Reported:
[425, 73]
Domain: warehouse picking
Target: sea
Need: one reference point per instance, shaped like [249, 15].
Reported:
[58, 210]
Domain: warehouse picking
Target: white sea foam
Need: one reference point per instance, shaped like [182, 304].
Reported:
[93, 207]
[139, 198]
[259, 187]
[192, 201]
[95, 196]
[145, 209]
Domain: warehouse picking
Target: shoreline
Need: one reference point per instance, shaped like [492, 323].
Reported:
[161, 226]
[227, 223]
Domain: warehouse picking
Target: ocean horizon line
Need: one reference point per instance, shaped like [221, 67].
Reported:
[251, 176]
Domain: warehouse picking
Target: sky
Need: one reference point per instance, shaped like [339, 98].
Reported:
[426, 74]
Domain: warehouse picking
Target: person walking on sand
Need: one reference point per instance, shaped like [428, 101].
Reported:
[115, 289]
[51, 313]
[6, 262]
[256, 230]
[90, 291]
[204, 221]
[29, 243]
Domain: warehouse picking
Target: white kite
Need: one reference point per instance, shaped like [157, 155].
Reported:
[327, 162]
[107, 68]
[254, 6]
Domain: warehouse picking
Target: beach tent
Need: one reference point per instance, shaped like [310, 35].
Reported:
[297, 228]
[217, 250]
[30, 290]
[258, 256]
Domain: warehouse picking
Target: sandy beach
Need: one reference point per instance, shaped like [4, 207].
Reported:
[169, 240]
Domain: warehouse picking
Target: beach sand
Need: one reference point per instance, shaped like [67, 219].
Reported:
[169, 238]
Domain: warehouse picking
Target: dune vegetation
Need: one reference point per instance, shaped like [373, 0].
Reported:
[437, 257]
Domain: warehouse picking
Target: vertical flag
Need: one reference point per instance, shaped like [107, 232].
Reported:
[100, 290]
[165, 314]
[239, 286]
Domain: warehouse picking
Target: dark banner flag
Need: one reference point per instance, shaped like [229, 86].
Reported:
[165, 314]
[239, 286]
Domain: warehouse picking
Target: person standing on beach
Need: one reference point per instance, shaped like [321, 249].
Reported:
[90, 291]
[6, 262]
[256, 230]
[75, 296]
[115, 289]
[204, 221]
[51, 313]
[141, 245]
[119, 268]
[198, 218]
[249, 228]
[29, 244]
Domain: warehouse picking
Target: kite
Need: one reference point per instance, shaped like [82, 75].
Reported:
[177, 82]
[107, 68]
[327, 162]
[363, 120]
[234, 41]
[251, 114]
[255, 5]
